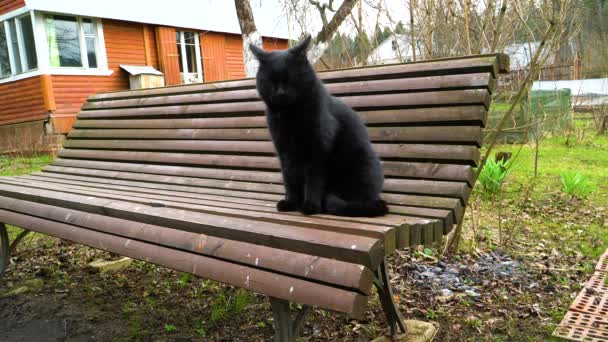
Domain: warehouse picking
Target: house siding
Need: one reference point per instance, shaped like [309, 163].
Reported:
[124, 45]
[223, 55]
[22, 101]
[10, 5]
[168, 58]
[212, 50]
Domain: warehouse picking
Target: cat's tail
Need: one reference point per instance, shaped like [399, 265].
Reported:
[334, 205]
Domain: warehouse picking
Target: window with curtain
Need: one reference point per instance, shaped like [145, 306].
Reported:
[72, 41]
[189, 53]
[17, 46]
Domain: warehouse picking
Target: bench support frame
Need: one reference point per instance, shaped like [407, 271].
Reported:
[6, 249]
[385, 292]
[286, 327]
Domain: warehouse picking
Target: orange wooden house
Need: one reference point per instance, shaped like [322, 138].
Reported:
[53, 54]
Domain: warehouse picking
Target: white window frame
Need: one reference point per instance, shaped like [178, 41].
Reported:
[197, 52]
[41, 44]
[20, 44]
[102, 60]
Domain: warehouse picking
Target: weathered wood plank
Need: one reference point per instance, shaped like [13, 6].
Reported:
[442, 82]
[459, 153]
[410, 186]
[403, 117]
[482, 63]
[235, 139]
[357, 102]
[430, 171]
[175, 200]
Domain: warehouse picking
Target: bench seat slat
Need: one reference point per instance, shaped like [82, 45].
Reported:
[215, 207]
[201, 193]
[443, 188]
[268, 283]
[345, 247]
[267, 212]
[430, 171]
[428, 83]
[358, 102]
[473, 114]
[245, 208]
[324, 270]
[372, 227]
[391, 198]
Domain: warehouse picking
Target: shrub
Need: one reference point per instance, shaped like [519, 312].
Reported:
[576, 184]
[493, 175]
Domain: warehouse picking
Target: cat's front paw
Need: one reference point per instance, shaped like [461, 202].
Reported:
[310, 208]
[285, 205]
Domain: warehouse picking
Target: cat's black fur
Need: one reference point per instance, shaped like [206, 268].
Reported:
[327, 160]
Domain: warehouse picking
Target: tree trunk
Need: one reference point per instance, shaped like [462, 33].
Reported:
[361, 36]
[321, 41]
[467, 26]
[498, 29]
[250, 36]
[412, 34]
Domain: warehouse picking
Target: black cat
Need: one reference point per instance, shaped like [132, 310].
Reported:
[327, 160]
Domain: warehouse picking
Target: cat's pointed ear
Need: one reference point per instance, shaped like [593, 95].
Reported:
[259, 53]
[302, 47]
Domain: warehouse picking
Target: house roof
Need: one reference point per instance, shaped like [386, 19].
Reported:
[206, 15]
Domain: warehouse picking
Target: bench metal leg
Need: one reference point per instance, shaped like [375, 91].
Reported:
[385, 292]
[4, 249]
[18, 239]
[286, 328]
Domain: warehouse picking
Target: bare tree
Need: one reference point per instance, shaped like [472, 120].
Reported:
[329, 28]
[321, 39]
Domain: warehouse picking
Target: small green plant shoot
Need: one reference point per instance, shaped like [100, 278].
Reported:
[576, 184]
[493, 175]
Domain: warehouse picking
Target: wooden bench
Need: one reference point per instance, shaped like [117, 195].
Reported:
[185, 177]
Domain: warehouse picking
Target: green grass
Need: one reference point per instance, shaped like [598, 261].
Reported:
[20, 166]
[589, 157]
[539, 208]
[502, 107]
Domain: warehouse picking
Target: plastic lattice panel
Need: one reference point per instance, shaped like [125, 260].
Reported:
[599, 283]
[591, 302]
[578, 333]
[602, 265]
[586, 321]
